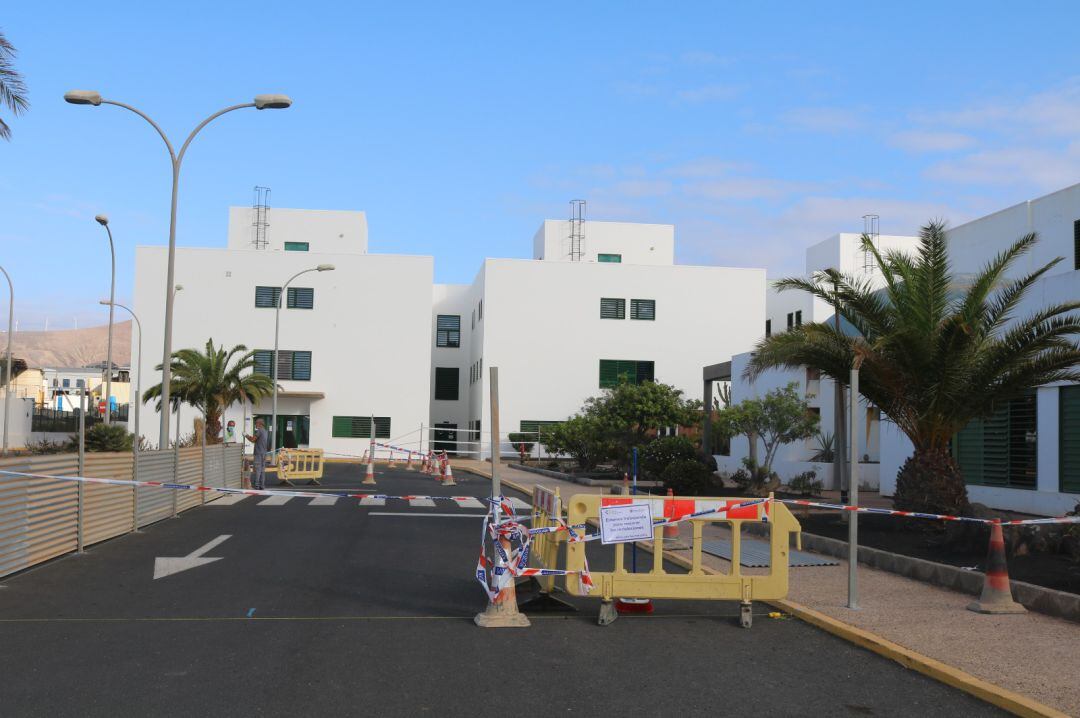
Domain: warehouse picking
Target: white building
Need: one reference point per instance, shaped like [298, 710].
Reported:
[1027, 458]
[378, 337]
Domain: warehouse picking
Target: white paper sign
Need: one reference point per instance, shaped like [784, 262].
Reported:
[625, 523]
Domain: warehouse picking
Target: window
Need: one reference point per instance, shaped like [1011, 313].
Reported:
[267, 296]
[79, 383]
[1069, 444]
[446, 383]
[798, 318]
[609, 258]
[67, 382]
[294, 365]
[296, 246]
[300, 298]
[612, 308]
[614, 371]
[448, 330]
[1000, 450]
[790, 320]
[480, 314]
[643, 309]
[359, 427]
[1076, 244]
[768, 327]
[537, 428]
[472, 324]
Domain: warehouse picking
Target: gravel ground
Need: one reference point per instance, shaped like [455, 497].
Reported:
[1032, 654]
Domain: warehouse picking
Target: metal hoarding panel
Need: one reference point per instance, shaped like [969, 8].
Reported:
[37, 516]
[190, 473]
[107, 510]
[155, 504]
[234, 460]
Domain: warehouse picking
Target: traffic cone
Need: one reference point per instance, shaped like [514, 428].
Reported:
[364, 459]
[671, 531]
[393, 461]
[448, 476]
[370, 477]
[997, 593]
[409, 465]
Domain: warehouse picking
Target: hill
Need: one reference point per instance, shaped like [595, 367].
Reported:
[71, 347]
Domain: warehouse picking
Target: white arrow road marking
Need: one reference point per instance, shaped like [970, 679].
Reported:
[168, 565]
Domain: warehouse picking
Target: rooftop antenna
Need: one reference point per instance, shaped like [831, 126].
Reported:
[577, 229]
[870, 229]
[260, 220]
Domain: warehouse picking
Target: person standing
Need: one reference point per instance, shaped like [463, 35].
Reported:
[261, 441]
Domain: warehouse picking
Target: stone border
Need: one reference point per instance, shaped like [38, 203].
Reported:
[578, 479]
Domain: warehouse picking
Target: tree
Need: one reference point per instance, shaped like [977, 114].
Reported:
[104, 437]
[211, 384]
[12, 86]
[778, 418]
[937, 350]
[582, 437]
[628, 412]
[18, 366]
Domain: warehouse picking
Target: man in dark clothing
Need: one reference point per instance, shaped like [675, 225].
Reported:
[261, 440]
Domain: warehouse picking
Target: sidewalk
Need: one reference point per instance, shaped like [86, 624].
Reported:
[1032, 654]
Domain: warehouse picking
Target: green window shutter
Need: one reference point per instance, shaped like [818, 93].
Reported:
[300, 298]
[1069, 446]
[615, 371]
[359, 427]
[267, 296]
[643, 309]
[968, 450]
[611, 308]
[297, 246]
[264, 362]
[342, 427]
[1001, 450]
[446, 383]
[609, 373]
[609, 258]
[301, 366]
[284, 367]
[1076, 244]
[448, 330]
[645, 371]
[382, 427]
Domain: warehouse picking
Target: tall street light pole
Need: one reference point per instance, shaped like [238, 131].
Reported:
[8, 369]
[138, 364]
[104, 222]
[274, 367]
[262, 102]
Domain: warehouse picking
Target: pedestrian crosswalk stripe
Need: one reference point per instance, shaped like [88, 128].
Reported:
[469, 502]
[275, 501]
[323, 501]
[427, 503]
[519, 504]
[367, 501]
[228, 500]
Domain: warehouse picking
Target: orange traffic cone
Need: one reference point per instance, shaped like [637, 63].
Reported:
[370, 477]
[448, 476]
[409, 465]
[364, 459]
[393, 461]
[671, 531]
[997, 593]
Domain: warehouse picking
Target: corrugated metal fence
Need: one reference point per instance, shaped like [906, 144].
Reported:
[44, 518]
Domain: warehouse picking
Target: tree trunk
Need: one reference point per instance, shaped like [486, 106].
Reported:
[213, 427]
[930, 482]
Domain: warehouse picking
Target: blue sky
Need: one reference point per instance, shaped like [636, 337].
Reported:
[755, 128]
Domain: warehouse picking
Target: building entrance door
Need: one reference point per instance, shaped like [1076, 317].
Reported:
[293, 430]
[446, 438]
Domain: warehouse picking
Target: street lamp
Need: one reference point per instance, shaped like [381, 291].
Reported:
[274, 366]
[261, 102]
[7, 367]
[104, 222]
[138, 364]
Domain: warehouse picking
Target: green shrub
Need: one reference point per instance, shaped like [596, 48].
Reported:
[660, 453]
[104, 437]
[687, 477]
[518, 439]
[45, 446]
[805, 483]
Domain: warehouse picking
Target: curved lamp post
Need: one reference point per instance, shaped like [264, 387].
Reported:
[262, 102]
[104, 222]
[138, 363]
[8, 369]
[274, 366]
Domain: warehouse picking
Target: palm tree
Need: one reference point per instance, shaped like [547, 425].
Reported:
[12, 87]
[210, 384]
[937, 350]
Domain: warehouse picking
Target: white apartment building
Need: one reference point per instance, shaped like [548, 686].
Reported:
[377, 337]
[1027, 457]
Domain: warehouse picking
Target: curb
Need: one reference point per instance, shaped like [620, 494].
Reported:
[1003, 698]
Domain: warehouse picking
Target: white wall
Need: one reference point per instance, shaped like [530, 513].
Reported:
[542, 328]
[637, 243]
[370, 331]
[326, 230]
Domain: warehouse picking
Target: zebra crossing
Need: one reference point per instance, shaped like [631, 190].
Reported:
[464, 502]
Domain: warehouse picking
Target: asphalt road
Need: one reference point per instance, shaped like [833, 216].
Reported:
[339, 609]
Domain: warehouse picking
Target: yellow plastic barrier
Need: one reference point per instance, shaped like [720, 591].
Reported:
[698, 585]
[297, 465]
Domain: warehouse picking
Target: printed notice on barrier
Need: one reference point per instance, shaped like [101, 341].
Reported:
[622, 524]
